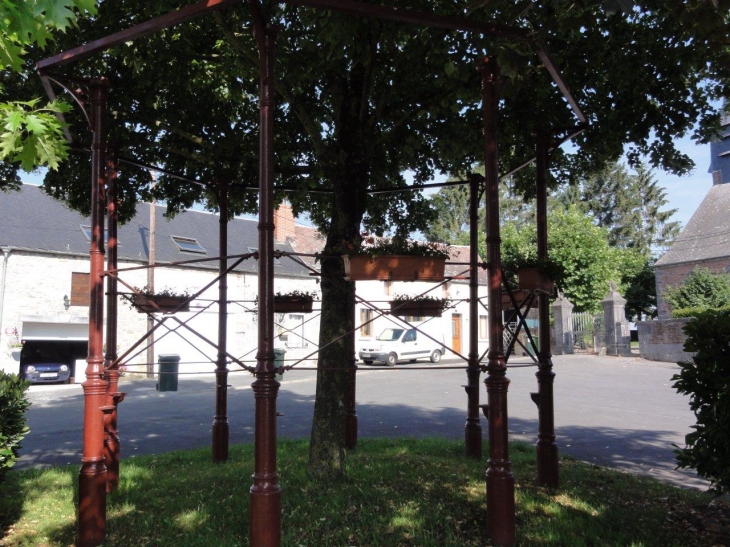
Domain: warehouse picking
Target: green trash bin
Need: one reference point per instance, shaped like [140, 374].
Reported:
[279, 361]
[168, 372]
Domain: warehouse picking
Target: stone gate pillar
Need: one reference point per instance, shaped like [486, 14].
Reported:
[563, 325]
[618, 338]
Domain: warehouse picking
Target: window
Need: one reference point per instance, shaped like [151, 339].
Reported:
[295, 331]
[413, 318]
[79, 289]
[86, 230]
[188, 245]
[410, 336]
[366, 326]
[483, 327]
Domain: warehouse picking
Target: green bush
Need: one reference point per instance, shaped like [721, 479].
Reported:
[13, 403]
[694, 312]
[702, 288]
[707, 381]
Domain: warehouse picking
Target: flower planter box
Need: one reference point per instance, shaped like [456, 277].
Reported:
[534, 279]
[520, 295]
[394, 268]
[292, 305]
[160, 304]
[417, 308]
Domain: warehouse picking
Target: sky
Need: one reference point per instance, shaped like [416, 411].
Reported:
[686, 193]
[683, 193]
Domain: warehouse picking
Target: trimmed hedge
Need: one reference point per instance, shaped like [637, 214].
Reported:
[694, 312]
[13, 403]
[707, 381]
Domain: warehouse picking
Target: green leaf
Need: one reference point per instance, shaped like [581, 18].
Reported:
[10, 54]
[14, 120]
[35, 123]
[59, 12]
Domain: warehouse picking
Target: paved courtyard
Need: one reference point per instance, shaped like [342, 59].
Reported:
[612, 411]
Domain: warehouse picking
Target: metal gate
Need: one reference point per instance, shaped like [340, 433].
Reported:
[589, 332]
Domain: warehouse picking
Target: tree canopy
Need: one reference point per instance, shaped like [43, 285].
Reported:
[584, 262]
[628, 205]
[31, 134]
[701, 289]
[361, 101]
[627, 208]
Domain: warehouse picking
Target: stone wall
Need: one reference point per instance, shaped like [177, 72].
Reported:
[663, 340]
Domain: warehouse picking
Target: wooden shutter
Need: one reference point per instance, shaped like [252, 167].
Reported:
[79, 289]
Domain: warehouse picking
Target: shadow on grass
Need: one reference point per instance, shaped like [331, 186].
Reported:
[11, 501]
[399, 492]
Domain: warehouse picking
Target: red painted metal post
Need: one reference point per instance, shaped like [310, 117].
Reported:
[92, 477]
[547, 448]
[265, 496]
[220, 420]
[351, 395]
[473, 428]
[113, 397]
[500, 481]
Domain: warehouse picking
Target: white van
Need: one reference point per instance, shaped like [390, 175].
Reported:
[395, 344]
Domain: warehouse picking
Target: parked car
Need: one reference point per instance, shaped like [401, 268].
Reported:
[41, 373]
[393, 345]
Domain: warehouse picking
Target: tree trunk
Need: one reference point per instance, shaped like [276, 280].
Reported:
[348, 171]
[327, 443]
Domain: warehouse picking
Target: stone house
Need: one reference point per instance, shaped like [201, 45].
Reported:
[44, 286]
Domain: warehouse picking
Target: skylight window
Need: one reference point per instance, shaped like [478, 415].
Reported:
[188, 245]
[86, 230]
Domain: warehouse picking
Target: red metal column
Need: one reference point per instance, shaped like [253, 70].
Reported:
[220, 420]
[351, 395]
[547, 448]
[265, 497]
[113, 397]
[473, 428]
[92, 477]
[500, 482]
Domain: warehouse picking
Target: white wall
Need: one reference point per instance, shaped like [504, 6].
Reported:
[440, 328]
[34, 290]
[36, 285]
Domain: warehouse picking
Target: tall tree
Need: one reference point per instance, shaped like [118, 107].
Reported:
[653, 227]
[451, 223]
[361, 101]
[451, 207]
[578, 248]
[628, 205]
[348, 122]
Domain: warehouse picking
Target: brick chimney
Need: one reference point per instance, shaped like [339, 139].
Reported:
[283, 223]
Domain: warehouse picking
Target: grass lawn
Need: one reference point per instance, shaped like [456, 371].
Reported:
[400, 492]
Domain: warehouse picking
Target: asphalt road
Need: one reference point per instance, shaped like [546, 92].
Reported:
[611, 411]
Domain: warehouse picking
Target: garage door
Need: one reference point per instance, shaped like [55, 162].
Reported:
[54, 331]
